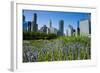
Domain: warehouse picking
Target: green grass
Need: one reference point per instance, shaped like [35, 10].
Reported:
[55, 48]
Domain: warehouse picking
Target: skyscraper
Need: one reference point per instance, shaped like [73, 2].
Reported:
[24, 24]
[52, 29]
[85, 27]
[44, 29]
[34, 23]
[61, 27]
[89, 26]
[35, 18]
[23, 18]
[29, 26]
[78, 29]
[50, 24]
[70, 30]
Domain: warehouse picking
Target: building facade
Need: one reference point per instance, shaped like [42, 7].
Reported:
[25, 24]
[29, 26]
[61, 28]
[70, 31]
[34, 23]
[78, 29]
[85, 27]
[44, 29]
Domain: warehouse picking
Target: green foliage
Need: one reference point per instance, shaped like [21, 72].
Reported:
[37, 35]
[81, 39]
[54, 49]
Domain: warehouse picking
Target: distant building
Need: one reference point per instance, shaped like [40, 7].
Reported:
[52, 29]
[61, 28]
[74, 32]
[70, 31]
[29, 26]
[23, 18]
[48, 30]
[50, 24]
[66, 32]
[34, 23]
[85, 27]
[78, 30]
[44, 29]
[25, 24]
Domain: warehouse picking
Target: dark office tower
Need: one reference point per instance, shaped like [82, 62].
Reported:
[89, 26]
[24, 23]
[50, 23]
[35, 18]
[78, 29]
[29, 26]
[35, 27]
[34, 23]
[61, 27]
[23, 18]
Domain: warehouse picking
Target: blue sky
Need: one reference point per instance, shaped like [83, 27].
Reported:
[44, 17]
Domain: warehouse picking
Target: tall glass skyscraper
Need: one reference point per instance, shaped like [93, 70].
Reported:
[61, 27]
[29, 26]
[34, 23]
[24, 24]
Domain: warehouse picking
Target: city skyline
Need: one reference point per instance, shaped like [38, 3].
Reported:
[44, 17]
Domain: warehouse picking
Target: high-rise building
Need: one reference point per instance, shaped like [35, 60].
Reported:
[35, 18]
[89, 27]
[54, 31]
[78, 29]
[29, 25]
[61, 28]
[34, 23]
[44, 29]
[70, 30]
[85, 27]
[51, 29]
[24, 24]
[50, 24]
[23, 18]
